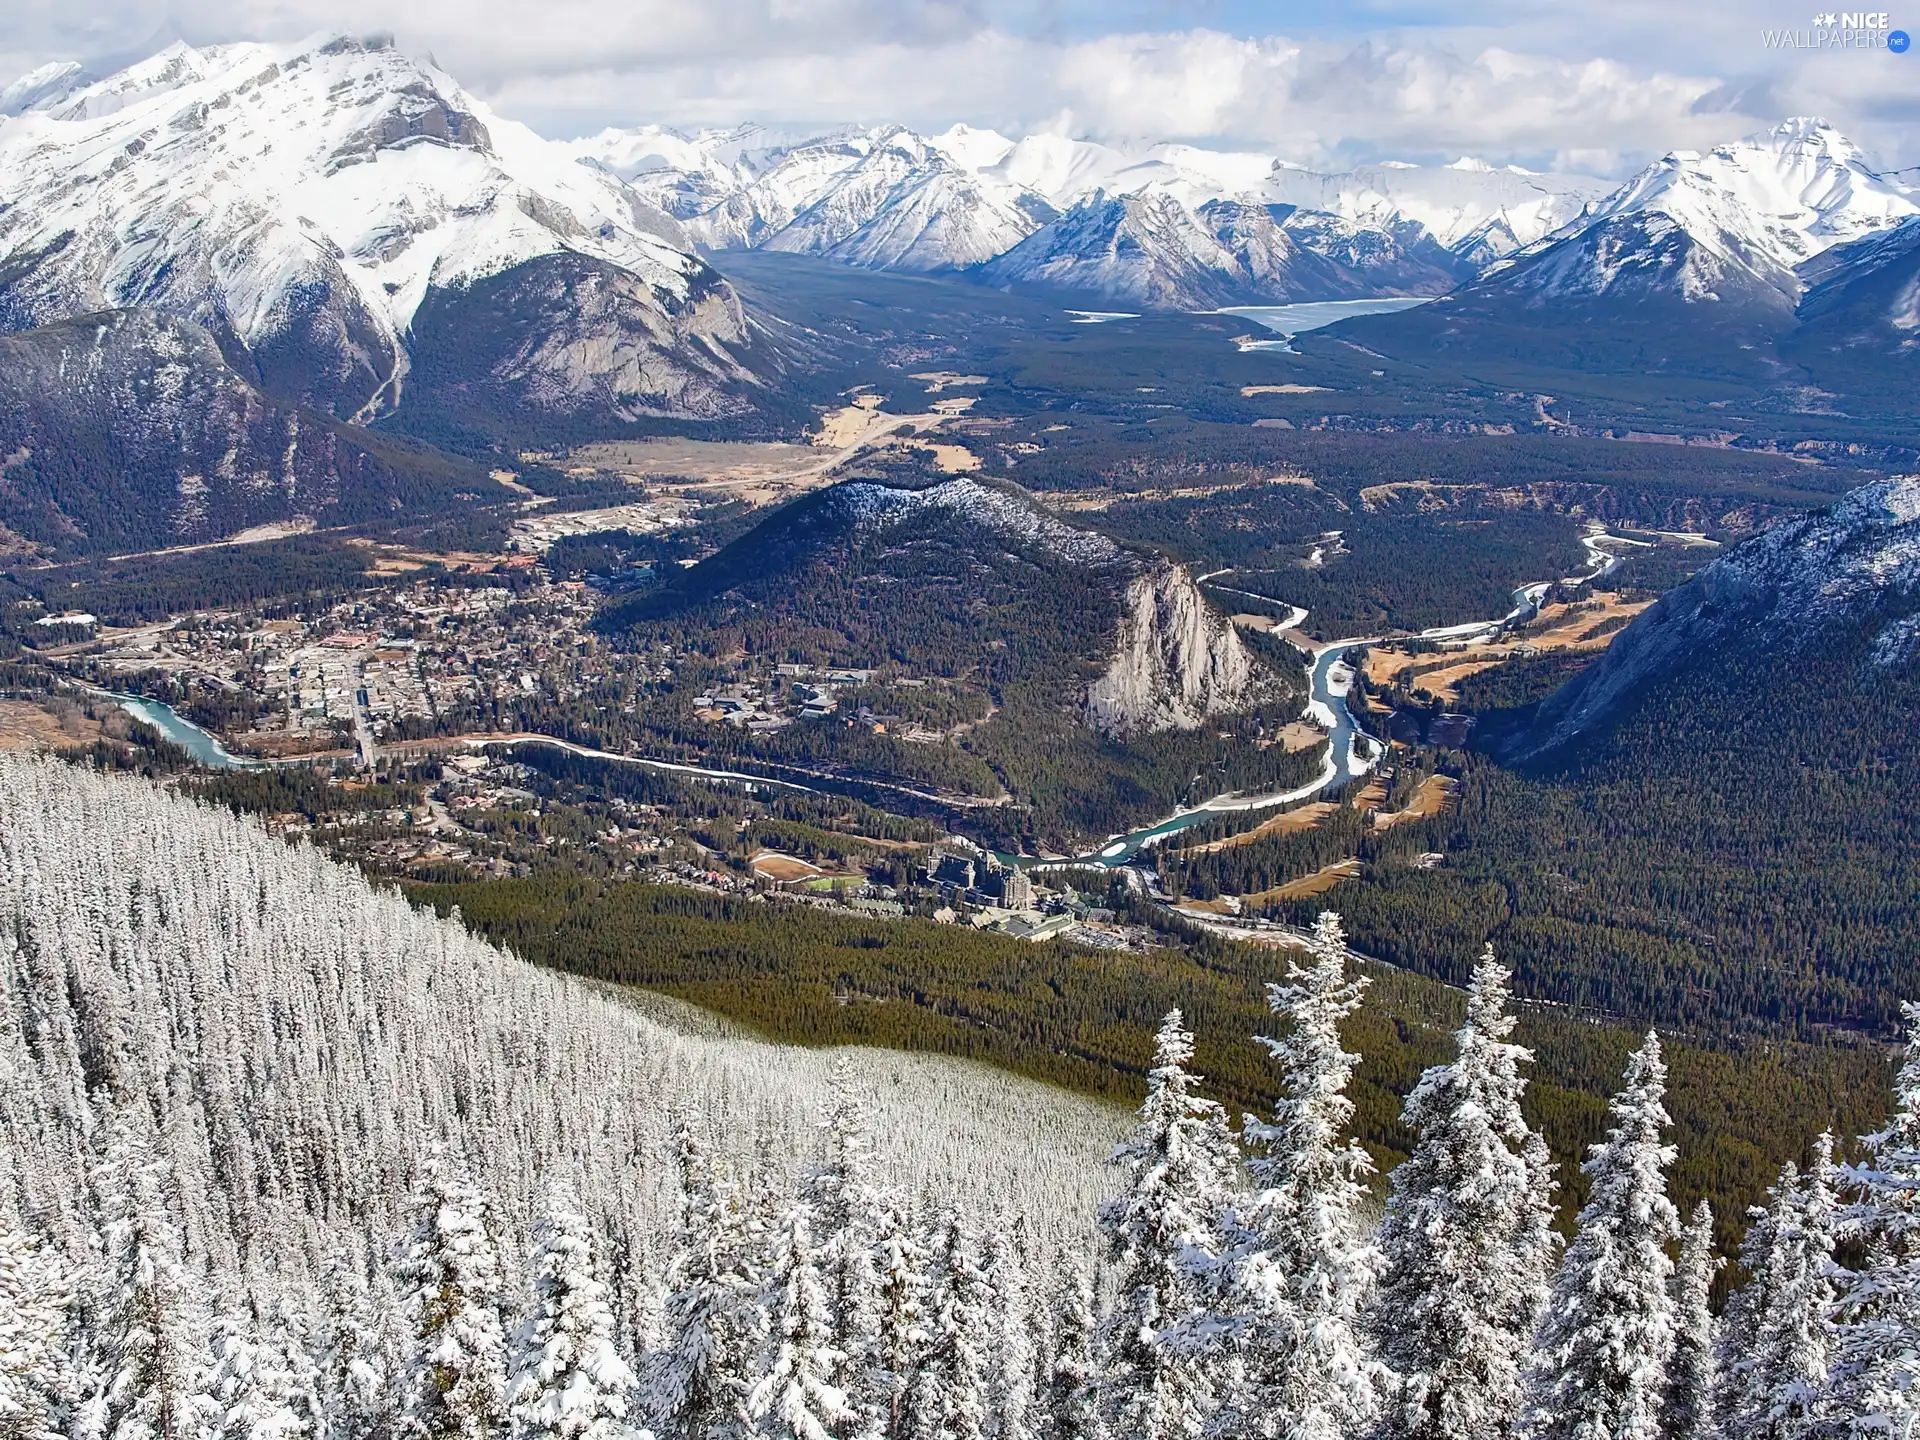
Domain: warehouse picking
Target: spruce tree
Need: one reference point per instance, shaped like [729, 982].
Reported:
[569, 1382]
[38, 1381]
[1692, 1374]
[1303, 1262]
[901, 1260]
[1467, 1239]
[254, 1388]
[1069, 1398]
[149, 1330]
[451, 1279]
[949, 1397]
[697, 1385]
[1875, 1380]
[1607, 1333]
[846, 1219]
[1011, 1388]
[1178, 1160]
[794, 1397]
[1780, 1336]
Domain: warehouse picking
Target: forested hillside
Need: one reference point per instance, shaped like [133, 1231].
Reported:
[267, 1177]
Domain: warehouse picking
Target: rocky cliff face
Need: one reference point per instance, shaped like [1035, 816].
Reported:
[1852, 566]
[1178, 661]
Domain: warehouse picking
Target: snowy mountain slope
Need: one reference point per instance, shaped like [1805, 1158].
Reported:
[127, 430]
[1795, 588]
[1155, 251]
[300, 1040]
[303, 202]
[1727, 225]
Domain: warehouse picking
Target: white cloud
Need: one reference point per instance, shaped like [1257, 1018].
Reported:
[1577, 83]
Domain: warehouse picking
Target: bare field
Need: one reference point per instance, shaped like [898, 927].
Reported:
[31, 725]
[1307, 886]
[1434, 795]
[1287, 822]
[1566, 628]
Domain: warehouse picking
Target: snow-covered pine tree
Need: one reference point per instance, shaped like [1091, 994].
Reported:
[1010, 1409]
[452, 1284]
[1692, 1373]
[1179, 1164]
[1875, 1381]
[1467, 1239]
[148, 1329]
[901, 1262]
[948, 1400]
[1781, 1338]
[794, 1396]
[846, 1222]
[38, 1382]
[1607, 1333]
[697, 1385]
[354, 1357]
[1302, 1262]
[255, 1390]
[569, 1382]
[1068, 1401]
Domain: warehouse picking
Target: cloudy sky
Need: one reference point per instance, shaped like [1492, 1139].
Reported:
[1592, 85]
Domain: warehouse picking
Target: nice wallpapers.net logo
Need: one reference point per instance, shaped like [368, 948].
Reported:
[1842, 30]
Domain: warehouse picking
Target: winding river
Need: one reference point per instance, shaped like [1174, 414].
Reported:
[1351, 753]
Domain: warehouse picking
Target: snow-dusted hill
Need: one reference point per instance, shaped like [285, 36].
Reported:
[304, 203]
[1729, 224]
[1806, 583]
[299, 1041]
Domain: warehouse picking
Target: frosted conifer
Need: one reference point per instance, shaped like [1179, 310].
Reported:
[1303, 1263]
[948, 1400]
[846, 1222]
[795, 1397]
[1780, 1332]
[901, 1271]
[697, 1386]
[1178, 1159]
[149, 1331]
[569, 1382]
[37, 1377]
[1876, 1375]
[355, 1360]
[1607, 1334]
[455, 1385]
[255, 1391]
[1692, 1375]
[1468, 1237]
[1068, 1400]
[1011, 1407]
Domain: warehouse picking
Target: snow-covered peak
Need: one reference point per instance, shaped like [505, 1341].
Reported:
[874, 508]
[1472, 166]
[1769, 202]
[39, 88]
[971, 149]
[225, 184]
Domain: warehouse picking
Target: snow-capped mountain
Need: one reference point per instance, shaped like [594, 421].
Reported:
[888, 198]
[1153, 251]
[1813, 581]
[1730, 224]
[305, 203]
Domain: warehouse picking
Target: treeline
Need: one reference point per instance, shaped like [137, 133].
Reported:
[1074, 1017]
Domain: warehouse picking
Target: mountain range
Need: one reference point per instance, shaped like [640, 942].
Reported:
[1165, 226]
